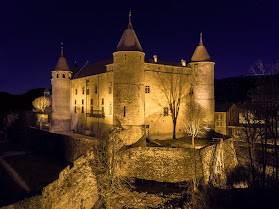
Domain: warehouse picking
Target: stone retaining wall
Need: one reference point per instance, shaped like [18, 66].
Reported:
[177, 164]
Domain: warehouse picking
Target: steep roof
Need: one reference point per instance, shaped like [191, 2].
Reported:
[223, 107]
[200, 53]
[129, 40]
[93, 68]
[62, 64]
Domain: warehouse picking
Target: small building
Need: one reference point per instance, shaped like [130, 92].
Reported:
[226, 116]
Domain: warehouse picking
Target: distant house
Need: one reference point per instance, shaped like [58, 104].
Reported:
[226, 115]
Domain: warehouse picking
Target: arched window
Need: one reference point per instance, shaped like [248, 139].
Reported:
[63, 76]
[57, 76]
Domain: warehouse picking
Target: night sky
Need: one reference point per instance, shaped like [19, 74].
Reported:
[236, 34]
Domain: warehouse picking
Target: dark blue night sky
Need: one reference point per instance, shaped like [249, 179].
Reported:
[236, 34]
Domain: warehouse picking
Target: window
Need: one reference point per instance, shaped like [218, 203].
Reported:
[57, 76]
[75, 109]
[124, 113]
[103, 110]
[219, 123]
[138, 91]
[82, 90]
[219, 117]
[110, 109]
[75, 101]
[82, 102]
[82, 109]
[103, 101]
[63, 76]
[91, 110]
[76, 91]
[96, 89]
[110, 88]
[91, 102]
[147, 126]
[166, 111]
[87, 91]
[147, 89]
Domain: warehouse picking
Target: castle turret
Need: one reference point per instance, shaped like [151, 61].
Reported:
[128, 92]
[203, 82]
[61, 116]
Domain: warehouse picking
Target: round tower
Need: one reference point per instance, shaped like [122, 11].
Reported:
[203, 82]
[61, 115]
[128, 94]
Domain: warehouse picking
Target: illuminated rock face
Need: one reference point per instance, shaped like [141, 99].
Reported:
[61, 116]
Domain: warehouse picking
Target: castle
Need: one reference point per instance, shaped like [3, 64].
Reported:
[141, 95]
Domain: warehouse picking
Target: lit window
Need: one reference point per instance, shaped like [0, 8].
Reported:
[96, 89]
[110, 88]
[166, 111]
[147, 89]
[103, 101]
[91, 101]
[82, 102]
[82, 109]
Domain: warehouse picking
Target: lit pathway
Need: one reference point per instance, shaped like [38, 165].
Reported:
[11, 171]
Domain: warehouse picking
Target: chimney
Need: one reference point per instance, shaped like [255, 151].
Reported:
[155, 58]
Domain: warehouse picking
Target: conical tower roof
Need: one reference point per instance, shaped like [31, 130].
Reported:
[200, 53]
[62, 64]
[129, 40]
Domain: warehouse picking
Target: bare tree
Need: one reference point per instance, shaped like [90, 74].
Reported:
[173, 87]
[266, 96]
[112, 187]
[252, 130]
[195, 126]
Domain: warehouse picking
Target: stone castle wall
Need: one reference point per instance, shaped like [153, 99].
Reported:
[177, 165]
[83, 94]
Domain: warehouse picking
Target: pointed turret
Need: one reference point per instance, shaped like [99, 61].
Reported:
[62, 64]
[129, 40]
[61, 95]
[200, 53]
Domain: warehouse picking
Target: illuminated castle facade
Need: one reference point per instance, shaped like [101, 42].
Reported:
[140, 95]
